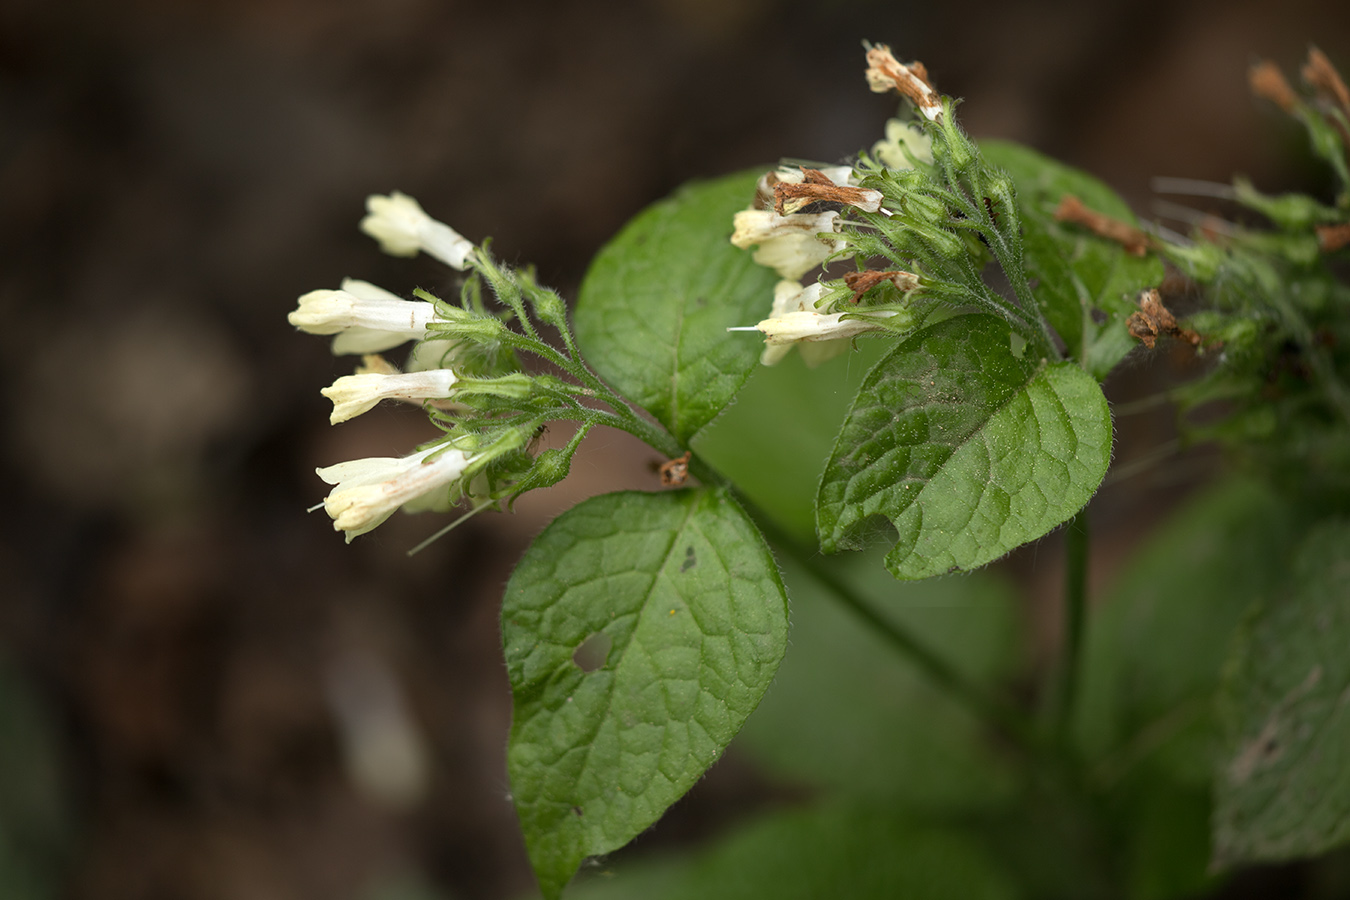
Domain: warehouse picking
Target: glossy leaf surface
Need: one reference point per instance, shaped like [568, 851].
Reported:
[966, 448]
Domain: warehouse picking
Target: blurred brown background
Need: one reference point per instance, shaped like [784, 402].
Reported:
[216, 666]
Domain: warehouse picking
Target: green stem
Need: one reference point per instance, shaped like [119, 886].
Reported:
[1075, 613]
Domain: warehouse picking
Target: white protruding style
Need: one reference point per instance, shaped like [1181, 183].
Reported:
[403, 228]
[367, 491]
[794, 320]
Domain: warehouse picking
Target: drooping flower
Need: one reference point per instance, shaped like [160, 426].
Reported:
[790, 245]
[368, 491]
[401, 226]
[353, 395]
[365, 318]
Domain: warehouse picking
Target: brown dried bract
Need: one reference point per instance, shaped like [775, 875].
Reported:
[1071, 209]
[1154, 320]
[790, 198]
[675, 472]
[1322, 77]
[1333, 237]
[814, 176]
[862, 282]
[886, 73]
[1266, 80]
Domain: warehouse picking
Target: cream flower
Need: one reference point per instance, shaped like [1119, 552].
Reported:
[353, 395]
[369, 490]
[403, 228]
[794, 320]
[787, 244]
[901, 136]
[365, 318]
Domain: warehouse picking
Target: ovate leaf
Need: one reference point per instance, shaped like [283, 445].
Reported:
[654, 308]
[683, 614]
[966, 448]
[1283, 785]
[1086, 285]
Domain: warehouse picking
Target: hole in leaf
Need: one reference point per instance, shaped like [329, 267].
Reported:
[592, 652]
[1099, 317]
[690, 560]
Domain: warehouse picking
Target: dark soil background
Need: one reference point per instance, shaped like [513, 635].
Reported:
[173, 174]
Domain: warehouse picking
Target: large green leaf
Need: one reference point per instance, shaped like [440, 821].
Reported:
[1157, 642]
[1283, 785]
[968, 449]
[1086, 285]
[1145, 718]
[654, 308]
[684, 590]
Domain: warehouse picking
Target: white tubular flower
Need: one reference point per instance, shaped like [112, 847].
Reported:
[792, 327]
[353, 395]
[794, 320]
[901, 136]
[369, 490]
[789, 245]
[365, 318]
[403, 228]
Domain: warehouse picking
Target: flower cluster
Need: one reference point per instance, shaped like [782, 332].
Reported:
[366, 319]
[797, 223]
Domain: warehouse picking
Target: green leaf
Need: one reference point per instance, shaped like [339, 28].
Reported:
[1282, 788]
[654, 308]
[1157, 642]
[844, 853]
[968, 450]
[847, 714]
[1079, 277]
[684, 590]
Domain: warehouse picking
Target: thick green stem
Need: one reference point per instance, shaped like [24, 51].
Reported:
[1075, 614]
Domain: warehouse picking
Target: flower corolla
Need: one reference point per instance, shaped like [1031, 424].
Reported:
[902, 136]
[795, 320]
[790, 245]
[367, 491]
[353, 395]
[365, 318]
[403, 228]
